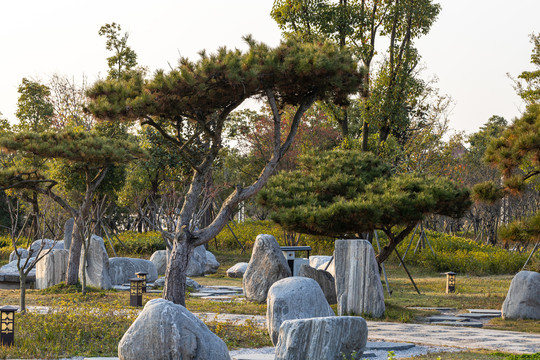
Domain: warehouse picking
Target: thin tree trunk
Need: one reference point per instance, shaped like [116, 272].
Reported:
[22, 292]
[175, 286]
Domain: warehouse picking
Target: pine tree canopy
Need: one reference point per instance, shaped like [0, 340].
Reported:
[343, 193]
[87, 148]
[211, 87]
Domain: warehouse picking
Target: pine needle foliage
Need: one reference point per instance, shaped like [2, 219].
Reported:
[344, 193]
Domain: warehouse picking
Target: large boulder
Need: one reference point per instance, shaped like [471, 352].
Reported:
[212, 265]
[324, 279]
[9, 273]
[294, 298]
[358, 283]
[22, 252]
[523, 298]
[237, 270]
[159, 258]
[51, 269]
[164, 330]
[97, 264]
[47, 244]
[122, 269]
[68, 232]
[266, 266]
[323, 338]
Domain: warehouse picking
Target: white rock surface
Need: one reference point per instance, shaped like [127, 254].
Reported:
[164, 330]
[266, 266]
[121, 269]
[97, 264]
[323, 338]
[294, 298]
[358, 283]
[47, 244]
[317, 260]
[523, 298]
[51, 269]
[159, 258]
[331, 268]
[237, 270]
[22, 252]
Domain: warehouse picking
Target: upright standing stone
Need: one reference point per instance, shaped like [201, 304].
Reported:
[164, 330]
[324, 279]
[68, 232]
[51, 269]
[523, 298]
[323, 338]
[97, 264]
[266, 266]
[294, 298]
[358, 283]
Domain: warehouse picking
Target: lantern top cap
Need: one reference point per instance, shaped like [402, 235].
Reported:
[9, 308]
[136, 280]
[450, 273]
[141, 273]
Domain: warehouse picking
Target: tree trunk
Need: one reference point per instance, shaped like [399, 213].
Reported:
[22, 292]
[72, 274]
[175, 284]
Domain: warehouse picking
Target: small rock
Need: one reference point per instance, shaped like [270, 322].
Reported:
[294, 298]
[164, 330]
[237, 270]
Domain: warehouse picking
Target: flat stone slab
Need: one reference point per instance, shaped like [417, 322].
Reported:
[459, 324]
[429, 308]
[479, 315]
[484, 311]
[218, 298]
[438, 318]
[389, 346]
[254, 357]
[121, 287]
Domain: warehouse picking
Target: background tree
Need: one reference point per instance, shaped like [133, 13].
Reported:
[124, 58]
[195, 101]
[92, 153]
[345, 193]
[528, 83]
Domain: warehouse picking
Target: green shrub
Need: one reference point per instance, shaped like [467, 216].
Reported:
[137, 244]
[461, 255]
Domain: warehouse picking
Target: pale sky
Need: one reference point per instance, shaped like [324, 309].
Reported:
[471, 47]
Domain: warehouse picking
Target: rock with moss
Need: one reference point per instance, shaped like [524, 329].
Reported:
[266, 266]
[164, 330]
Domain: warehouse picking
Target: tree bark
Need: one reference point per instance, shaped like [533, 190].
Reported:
[175, 286]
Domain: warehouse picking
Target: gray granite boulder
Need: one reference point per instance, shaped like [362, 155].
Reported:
[164, 330]
[324, 279]
[294, 298]
[68, 232]
[47, 244]
[121, 269]
[237, 270]
[197, 262]
[159, 258]
[323, 338]
[523, 298]
[97, 264]
[358, 283]
[51, 269]
[212, 265]
[22, 252]
[266, 266]
[317, 260]
[9, 273]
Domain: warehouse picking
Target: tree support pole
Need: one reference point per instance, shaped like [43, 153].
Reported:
[382, 265]
[407, 271]
[530, 256]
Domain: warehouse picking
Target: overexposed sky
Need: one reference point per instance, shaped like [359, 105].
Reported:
[471, 47]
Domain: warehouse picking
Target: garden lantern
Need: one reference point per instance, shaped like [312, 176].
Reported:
[135, 292]
[142, 275]
[450, 282]
[7, 328]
